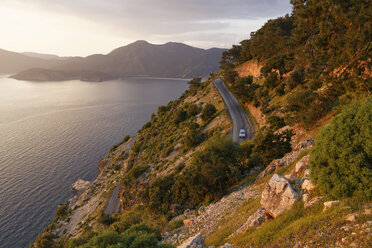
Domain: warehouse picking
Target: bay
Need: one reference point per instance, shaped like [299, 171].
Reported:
[53, 133]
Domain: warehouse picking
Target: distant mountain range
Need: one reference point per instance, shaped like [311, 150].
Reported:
[136, 59]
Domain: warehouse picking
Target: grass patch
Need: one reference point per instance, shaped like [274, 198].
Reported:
[298, 224]
[174, 225]
[270, 231]
[229, 225]
[249, 179]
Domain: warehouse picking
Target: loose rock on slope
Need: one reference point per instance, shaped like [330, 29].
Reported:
[278, 196]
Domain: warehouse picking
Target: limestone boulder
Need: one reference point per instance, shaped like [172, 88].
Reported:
[305, 197]
[278, 196]
[351, 217]
[307, 185]
[302, 165]
[330, 204]
[310, 202]
[80, 186]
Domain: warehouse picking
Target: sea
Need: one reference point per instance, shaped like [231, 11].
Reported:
[53, 133]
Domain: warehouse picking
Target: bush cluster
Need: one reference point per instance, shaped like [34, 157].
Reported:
[341, 161]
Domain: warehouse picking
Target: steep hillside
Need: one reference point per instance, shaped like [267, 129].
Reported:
[182, 181]
[139, 59]
[302, 181]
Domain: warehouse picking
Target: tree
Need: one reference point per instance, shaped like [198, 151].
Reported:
[212, 171]
[334, 38]
[271, 145]
[180, 116]
[193, 109]
[242, 85]
[194, 85]
[341, 161]
[229, 75]
[270, 81]
[297, 77]
[208, 111]
[192, 138]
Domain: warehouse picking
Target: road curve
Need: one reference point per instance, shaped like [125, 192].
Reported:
[237, 114]
[113, 204]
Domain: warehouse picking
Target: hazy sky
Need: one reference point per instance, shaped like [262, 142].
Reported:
[82, 27]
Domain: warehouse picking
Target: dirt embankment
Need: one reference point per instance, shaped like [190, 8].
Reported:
[250, 68]
[257, 114]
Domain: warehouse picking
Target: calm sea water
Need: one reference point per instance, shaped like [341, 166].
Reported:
[53, 133]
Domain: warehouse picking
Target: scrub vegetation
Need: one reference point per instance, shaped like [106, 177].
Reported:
[315, 64]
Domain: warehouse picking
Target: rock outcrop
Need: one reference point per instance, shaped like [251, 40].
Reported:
[307, 185]
[330, 204]
[196, 241]
[301, 165]
[278, 196]
[80, 186]
[311, 202]
[255, 220]
[287, 159]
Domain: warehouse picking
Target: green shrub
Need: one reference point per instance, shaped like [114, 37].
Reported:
[62, 211]
[193, 109]
[193, 138]
[106, 219]
[208, 111]
[194, 86]
[127, 220]
[104, 239]
[212, 171]
[147, 125]
[229, 75]
[276, 122]
[174, 225]
[341, 161]
[304, 105]
[180, 116]
[117, 167]
[280, 89]
[168, 151]
[270, 81]
[194, 126]
[125, 139]
[137, 171]
[162, 110]
[270, 145]
[137, 147]
[137, 236]
[45, 240]
[297, 77]
[159, 193]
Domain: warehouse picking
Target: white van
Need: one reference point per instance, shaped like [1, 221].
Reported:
[242, 133]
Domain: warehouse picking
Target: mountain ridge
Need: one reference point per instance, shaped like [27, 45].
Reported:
[140, 58]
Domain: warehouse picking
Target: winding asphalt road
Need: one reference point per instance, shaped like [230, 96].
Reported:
[237, 114]
[113, 205]
[239, 122]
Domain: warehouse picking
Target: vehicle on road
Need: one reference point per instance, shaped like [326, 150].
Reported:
[242, 133]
